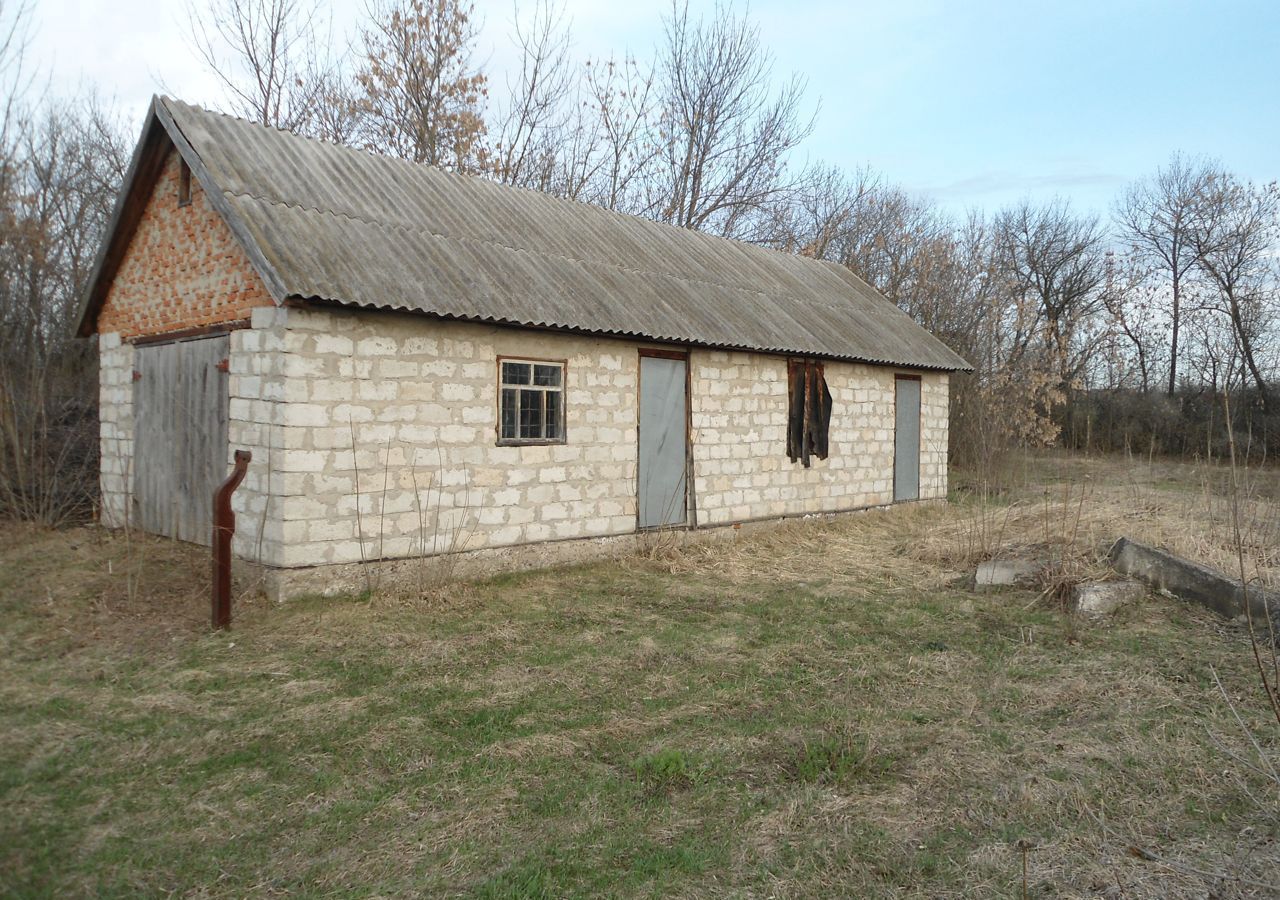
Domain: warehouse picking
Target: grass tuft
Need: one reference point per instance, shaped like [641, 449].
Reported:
[840, 756]
[665, 771]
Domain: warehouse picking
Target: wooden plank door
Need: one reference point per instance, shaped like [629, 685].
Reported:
[664, 415]
[906, 438]
[180, 436]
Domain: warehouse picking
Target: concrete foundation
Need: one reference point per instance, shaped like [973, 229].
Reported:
[1187, 580]
[996, 574]
[407, 576]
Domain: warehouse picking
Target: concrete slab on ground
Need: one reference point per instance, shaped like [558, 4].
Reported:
[995, 574]
[1101, 598]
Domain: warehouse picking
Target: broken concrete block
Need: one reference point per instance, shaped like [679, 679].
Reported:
[1101, 598]
[1187, 580]
[1000, 573]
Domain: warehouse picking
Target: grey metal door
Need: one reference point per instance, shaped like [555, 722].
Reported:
[663, 442]
[180, 436]
[906, 439]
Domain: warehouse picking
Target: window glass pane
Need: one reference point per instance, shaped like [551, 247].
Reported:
[546, 375]
[531, 414]
[515, 373]
[510, 411]
[552, 430]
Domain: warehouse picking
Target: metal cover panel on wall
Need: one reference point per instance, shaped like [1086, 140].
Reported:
[906, 440]
[663, 450]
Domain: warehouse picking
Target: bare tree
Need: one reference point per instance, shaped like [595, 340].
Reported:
[15, 78]
[59, 188]
[269, 56]
[1213, 351]
[336, 116]
[895, 242]
[1055, 258]
[614, 147]
[1234, 230]
[417, 94]
[534, 119]
[1154, 217]
[821, 215]
[723, 131]
[1135, 323]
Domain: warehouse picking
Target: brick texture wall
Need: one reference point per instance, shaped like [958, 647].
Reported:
[417, 398]
[935, 417]
[115, 428]
[183, 268]
[739, 420]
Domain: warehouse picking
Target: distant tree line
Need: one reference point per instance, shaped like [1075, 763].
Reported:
[1141, 332]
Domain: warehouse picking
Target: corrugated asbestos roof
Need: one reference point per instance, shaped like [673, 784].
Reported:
[338, 224]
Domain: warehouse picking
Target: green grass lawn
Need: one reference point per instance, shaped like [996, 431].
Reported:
[814, 711]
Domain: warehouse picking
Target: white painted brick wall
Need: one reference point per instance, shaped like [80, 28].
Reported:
[115, 428]
[935, 408]
[419, 399]
[259, 394]
[740, 428]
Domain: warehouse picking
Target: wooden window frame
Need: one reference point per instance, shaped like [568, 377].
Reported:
[795, 366]
[665, 354]
[563, 390]
[184, 183]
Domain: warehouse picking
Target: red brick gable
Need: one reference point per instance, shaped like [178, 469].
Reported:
[182, 269]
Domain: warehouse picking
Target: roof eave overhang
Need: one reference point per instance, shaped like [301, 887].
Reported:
[296, 300]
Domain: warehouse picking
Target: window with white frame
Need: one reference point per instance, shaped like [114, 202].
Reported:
[530, 401]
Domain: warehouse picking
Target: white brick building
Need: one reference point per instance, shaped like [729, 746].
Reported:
[422, 362]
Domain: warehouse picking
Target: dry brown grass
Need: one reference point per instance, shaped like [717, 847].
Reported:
[814, 710]
[1055, 500]
[1055, 508]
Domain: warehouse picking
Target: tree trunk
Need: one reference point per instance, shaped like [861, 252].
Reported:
[1246, 350]
[1174, 322]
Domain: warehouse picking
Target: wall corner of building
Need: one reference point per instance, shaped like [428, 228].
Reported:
[254, 414]
[266, 317]
[115, 430]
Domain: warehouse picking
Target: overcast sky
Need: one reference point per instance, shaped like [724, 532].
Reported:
[974, 103]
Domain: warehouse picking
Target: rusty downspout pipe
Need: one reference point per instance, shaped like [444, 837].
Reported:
[224, 526]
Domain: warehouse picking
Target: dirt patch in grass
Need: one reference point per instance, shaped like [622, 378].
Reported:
[815, 710]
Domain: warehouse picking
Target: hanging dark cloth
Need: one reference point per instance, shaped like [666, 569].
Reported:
[809, 416]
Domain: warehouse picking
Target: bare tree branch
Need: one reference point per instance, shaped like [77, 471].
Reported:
[724, 133]
[269, 57]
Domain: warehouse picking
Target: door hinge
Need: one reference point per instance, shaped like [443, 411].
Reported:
[222, 366]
